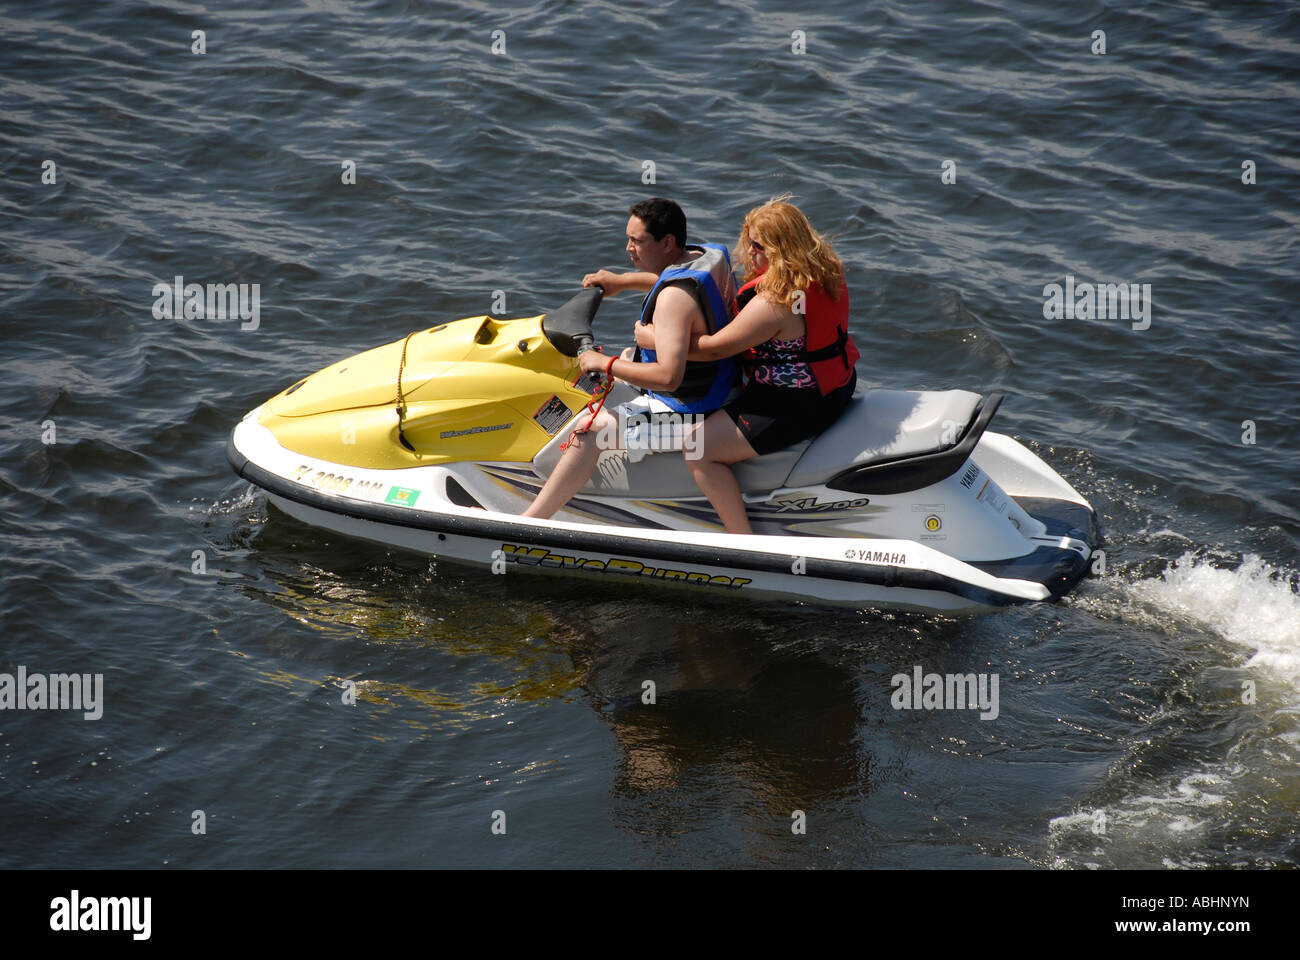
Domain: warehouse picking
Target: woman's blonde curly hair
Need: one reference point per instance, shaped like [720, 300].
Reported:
[797, 255]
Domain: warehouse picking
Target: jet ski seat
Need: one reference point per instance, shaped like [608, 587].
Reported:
[887, 425]
[898, 440]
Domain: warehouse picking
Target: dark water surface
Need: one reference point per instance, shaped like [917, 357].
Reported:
[1122, 738]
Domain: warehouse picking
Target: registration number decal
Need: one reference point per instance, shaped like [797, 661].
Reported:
[337, 483]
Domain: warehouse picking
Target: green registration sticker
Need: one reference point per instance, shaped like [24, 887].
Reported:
[402, 495]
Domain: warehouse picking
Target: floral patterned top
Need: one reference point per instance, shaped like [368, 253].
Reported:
[777, 363]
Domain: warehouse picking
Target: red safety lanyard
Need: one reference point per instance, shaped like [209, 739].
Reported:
[595, 404]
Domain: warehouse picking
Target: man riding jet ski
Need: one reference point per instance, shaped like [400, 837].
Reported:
[437, 442]
[693, 292]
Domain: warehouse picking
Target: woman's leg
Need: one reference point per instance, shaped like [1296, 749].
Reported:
[577, 464]
[719, 443]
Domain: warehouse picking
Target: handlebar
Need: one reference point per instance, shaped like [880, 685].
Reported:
[568, 327]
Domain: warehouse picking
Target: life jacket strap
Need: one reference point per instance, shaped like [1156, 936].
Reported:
[830, 351]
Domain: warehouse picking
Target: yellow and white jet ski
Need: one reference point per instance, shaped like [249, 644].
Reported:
[436, 442]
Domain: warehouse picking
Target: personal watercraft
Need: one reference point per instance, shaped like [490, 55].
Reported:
[436, 442]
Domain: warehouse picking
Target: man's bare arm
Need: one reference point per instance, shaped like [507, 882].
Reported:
[615, 283]
[676, 311]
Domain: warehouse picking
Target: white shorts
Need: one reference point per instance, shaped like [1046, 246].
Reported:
[648, 425]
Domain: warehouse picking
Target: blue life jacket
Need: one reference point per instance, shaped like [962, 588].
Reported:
[706, 385]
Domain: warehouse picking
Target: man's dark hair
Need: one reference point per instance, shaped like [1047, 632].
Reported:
[661, 217]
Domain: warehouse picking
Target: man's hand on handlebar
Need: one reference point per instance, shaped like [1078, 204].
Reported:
[603, 278]
[615, 283]
[593, 361]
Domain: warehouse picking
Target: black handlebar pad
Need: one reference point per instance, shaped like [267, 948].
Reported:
[568, 327]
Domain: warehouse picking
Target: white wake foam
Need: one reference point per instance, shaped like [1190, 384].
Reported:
[1255, 606]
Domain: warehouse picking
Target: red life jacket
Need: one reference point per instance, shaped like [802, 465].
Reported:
[828, 349]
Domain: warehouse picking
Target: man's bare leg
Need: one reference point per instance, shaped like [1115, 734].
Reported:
[575, 468]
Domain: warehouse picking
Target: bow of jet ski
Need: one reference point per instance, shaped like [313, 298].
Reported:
[435, 443]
